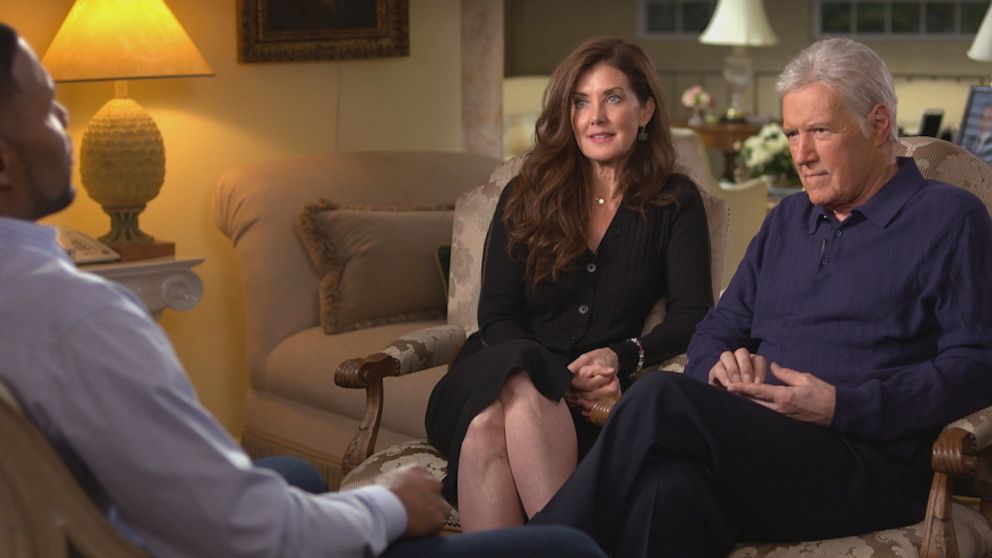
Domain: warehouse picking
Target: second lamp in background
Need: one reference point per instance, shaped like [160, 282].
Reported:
[981, 46]
[740, 24]
[122, 156]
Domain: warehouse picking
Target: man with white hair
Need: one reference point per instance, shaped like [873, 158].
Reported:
[856, 326]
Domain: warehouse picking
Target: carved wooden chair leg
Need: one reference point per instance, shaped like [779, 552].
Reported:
[365, 373]
[938, 525]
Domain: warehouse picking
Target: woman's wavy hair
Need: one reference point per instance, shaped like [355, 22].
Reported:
[546, 212]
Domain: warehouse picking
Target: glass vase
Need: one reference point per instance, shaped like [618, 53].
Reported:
[697, 118]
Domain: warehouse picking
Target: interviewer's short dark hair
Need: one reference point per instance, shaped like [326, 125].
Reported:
[8, 87]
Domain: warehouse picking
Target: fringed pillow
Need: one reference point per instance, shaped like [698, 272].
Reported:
[378, 263]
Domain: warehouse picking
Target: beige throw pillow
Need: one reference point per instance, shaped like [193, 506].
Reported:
[378, 263]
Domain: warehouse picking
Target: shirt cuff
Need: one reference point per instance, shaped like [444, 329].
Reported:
[393, 512]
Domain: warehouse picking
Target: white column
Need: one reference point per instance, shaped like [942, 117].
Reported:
[482, 76]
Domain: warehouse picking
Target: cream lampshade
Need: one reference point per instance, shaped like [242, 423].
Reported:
[122, 157]
[981, 47]
[740, 24]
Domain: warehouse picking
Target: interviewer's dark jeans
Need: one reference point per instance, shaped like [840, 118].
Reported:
[686, 469]
[520, 542]
[297, 472]
[545, 541]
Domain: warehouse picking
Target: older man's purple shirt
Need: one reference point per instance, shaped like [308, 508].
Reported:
[893, 305]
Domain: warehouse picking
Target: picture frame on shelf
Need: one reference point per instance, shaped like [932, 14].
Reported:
[307, 30]
[976, 124]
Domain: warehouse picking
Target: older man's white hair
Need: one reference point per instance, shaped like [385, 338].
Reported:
[858, 76]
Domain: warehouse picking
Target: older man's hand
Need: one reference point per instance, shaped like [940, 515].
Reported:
[737, 367]
[420, 494]
[802, 397]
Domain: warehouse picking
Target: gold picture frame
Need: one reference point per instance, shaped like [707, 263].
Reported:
[303, 30]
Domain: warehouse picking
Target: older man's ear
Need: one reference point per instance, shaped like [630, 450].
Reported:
[881, 123]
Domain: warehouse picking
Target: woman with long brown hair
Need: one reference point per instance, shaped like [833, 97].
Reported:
[593, 231]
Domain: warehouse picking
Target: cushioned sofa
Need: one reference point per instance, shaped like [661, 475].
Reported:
[317, 238]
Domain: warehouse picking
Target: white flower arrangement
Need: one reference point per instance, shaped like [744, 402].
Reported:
[767, 153]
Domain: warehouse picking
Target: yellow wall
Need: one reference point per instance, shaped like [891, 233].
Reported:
[249, 112]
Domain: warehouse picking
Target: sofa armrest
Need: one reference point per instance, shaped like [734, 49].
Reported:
[413, 352]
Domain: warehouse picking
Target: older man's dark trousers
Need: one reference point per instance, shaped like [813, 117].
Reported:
[687, 469]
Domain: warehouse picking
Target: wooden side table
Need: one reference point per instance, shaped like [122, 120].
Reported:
[722, 136]
[160, 283]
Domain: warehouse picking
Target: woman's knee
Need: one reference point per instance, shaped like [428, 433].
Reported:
[487, 431]
[519, 390]
[518, 383]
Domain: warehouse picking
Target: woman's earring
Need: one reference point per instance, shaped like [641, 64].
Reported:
[642, 133]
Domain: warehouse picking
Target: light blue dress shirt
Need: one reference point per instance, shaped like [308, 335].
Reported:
[100, 380]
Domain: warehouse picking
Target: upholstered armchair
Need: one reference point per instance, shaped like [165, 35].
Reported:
[959, 511]
[44, 512]
[437, 346]
[747, 201]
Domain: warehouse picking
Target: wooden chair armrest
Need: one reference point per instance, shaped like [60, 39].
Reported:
[365, 372]
[416, 351]
[979, 425]
[955, 454]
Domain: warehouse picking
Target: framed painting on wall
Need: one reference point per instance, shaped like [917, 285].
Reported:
[976, 125]
[298, 30]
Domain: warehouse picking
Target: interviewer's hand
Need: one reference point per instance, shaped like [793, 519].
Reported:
[737, 367]
[802, 397]
[420, 494]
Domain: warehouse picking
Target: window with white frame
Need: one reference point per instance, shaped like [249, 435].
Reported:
[674, 17]
[899, 18]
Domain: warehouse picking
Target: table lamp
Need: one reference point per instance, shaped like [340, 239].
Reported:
[122, 157]
[981, 47]
[740, 24]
